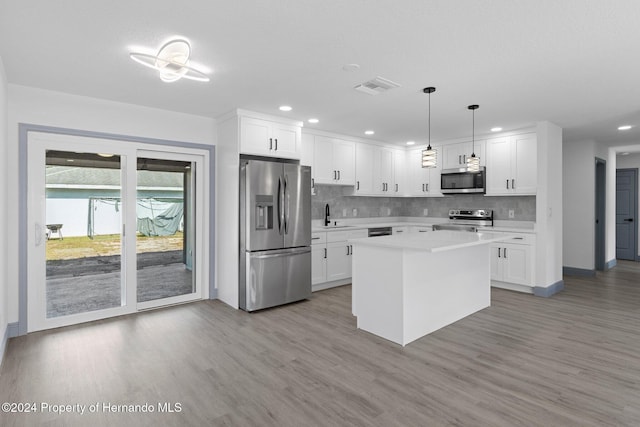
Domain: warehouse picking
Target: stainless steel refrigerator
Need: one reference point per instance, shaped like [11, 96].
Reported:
[275, 233]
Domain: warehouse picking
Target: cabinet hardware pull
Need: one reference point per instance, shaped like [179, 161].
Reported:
[351, 246]
[357, 185]
[498, 252]
[338, 175]
[423, 187]
[507, 184]
[335, 175]
[276, 144]
[513, 184]
[315, 238]
[427, 188]
[383, 186]
[325, 253]
[313, 183]
[347, 249]
[459, 157]
[270, 143]
[504, 253]
[396, 188]
[464, 156]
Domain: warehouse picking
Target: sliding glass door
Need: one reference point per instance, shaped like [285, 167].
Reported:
[112, 231]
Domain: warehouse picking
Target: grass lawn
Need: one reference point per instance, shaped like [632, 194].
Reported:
[108, 244]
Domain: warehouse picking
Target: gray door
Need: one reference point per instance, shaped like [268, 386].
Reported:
[297, 206]
[262, 205]
[626, 212]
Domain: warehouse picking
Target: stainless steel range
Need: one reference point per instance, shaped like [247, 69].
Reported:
[467, 220]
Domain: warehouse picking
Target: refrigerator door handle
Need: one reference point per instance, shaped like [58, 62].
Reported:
[280, 213]
[287, 202]
[279, 253]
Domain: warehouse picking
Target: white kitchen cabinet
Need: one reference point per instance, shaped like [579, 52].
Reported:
[400, 229]
[420, 229]
[269, 138]
[333, 161]
[374, 170]
[331, 257]
[455, 155]
[422, 181]
[512, 165]
[399, 172]
[338, 261]
[318, 258]
[512, 261]
[364, 169]
[306, 154]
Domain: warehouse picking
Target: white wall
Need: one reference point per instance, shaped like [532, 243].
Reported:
[41, 107]
[632, 161]
[4, 302]
[578, 170]
[549, 206]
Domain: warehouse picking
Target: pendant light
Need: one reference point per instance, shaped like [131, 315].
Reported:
[429, 156]
[473, 162]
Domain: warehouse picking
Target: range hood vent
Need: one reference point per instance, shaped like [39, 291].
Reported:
[376, 86]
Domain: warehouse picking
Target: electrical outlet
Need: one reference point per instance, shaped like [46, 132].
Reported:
[344, 213]
[425, 212]
[388, 211]
[355, 212]
[512, 213]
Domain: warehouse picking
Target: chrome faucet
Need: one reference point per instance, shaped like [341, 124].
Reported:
[327, 219]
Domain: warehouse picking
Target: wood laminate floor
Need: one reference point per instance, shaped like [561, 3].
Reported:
[569, 360]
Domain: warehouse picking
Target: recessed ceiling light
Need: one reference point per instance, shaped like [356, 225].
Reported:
[625, 127]
[313, 120]
[350, 67]
[369, 132]
[172, 61]
[496, 129]
[285, 108]
[411, 142]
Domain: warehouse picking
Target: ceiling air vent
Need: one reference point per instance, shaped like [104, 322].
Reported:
[376, 86]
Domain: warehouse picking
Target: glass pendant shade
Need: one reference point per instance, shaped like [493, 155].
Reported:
[429, 158]
[473, 163]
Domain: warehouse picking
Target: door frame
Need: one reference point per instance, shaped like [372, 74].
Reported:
[600, 170]
[635, 209]
[23, 224]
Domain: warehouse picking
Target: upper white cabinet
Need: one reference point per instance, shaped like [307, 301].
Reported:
[374, 170]
[364, 169]
[512, 165]
[399, 172]
[422, 181]
[456, 155]
[333, 161]
[269, 138]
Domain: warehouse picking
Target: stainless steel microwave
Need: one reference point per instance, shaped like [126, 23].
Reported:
[454, 181]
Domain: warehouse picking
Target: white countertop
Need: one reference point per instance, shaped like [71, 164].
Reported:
[363, 223]
[435, 241]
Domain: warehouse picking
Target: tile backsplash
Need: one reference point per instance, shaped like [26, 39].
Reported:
[342, 206]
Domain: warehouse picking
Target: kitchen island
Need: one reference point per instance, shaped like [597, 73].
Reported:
[405, 287]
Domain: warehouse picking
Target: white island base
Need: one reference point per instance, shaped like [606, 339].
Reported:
[405, 289]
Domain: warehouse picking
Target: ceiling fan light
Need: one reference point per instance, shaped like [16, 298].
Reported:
[172, 62]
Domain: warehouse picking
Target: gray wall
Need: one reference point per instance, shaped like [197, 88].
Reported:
[368, 207]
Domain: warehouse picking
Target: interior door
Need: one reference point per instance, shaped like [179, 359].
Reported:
[626, 212]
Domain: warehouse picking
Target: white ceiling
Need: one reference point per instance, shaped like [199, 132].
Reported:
[572, 62]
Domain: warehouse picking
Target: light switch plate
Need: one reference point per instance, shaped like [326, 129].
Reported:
[512, 213]
[355, 212]
[344, 213]
[425, 212]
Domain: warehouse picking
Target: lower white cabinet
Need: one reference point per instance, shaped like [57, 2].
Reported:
[420, 229]
[512, 261]
[331, 257]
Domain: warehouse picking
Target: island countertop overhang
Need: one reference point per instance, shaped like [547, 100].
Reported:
[435, 241]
